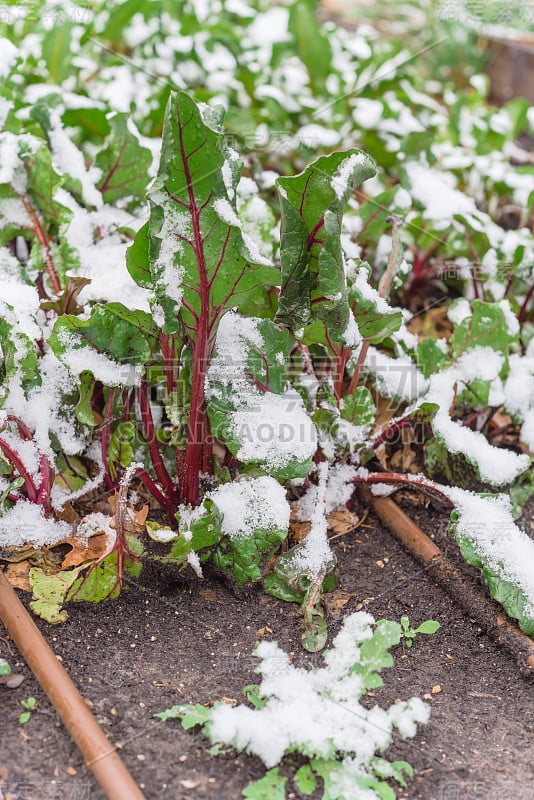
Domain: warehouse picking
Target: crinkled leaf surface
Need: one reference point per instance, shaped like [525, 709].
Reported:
[123, 160]
[313, 269]
[124, 335]
[375, 323]
[199, 261]
[486, 327]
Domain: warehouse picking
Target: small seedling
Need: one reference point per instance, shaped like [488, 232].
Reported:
[5, 669]
[29, 706]
[409, 634]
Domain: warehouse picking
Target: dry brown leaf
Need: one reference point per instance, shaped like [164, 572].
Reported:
[139, 516]
[263, 631]
[299, 530]
[339, 522]
[85, 549]
[68, 514]
[336, 601]
[431, 324]
[342, 521]
[17, 575]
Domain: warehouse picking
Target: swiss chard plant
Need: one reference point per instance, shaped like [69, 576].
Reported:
[274, 324]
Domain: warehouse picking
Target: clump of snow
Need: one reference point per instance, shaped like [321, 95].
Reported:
[314, 553]
[512, 323]
[396, 377]
[252, 505]
[488, 524]
[272, 429]
[519, 393]
[459, 310]
[339, 490]
[343, 174]
[10, 54]
[222, 207]
[101, 251]
[70, 161]
[78, 359]
[25, 523]
[94, 523]
[351, 335]
[313, 135]
[495, 465]
[433, 189]
[225, 211]
[194, 562]
[316, 710]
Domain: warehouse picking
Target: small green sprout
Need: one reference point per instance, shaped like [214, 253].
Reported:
[429, 627]
[29, 706]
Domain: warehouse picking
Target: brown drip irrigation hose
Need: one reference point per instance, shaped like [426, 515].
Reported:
[99, 755]
[451, 579]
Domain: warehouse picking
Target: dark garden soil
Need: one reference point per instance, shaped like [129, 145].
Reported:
[173, 638]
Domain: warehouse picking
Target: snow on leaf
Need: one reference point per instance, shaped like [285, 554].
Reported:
[313, 269]
[200, 264]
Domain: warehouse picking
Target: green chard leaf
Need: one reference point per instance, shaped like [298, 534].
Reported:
[113, 332]
[313, 45]
[57, 50]
[375, 318]
[313, 266]
[270, 787]
[200, 262]
[123, 160]
[190, 715]
[487, 326]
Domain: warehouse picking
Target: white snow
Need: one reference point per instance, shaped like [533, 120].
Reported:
[78, 359]
[252, 505]
[225, 211]
[316, 710]
[70, 161]
[341, 177]
[26, 523]
[102, 253]
[496, 465]
[315, 136]
[194, 561]
[96, 522]
[314, 553]
[9, 156]
[222, 207]
[488, 523]
[351, 336]
[10, 54]
[440, 199]
[396, 377]
[273, 429]
[459, 310]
